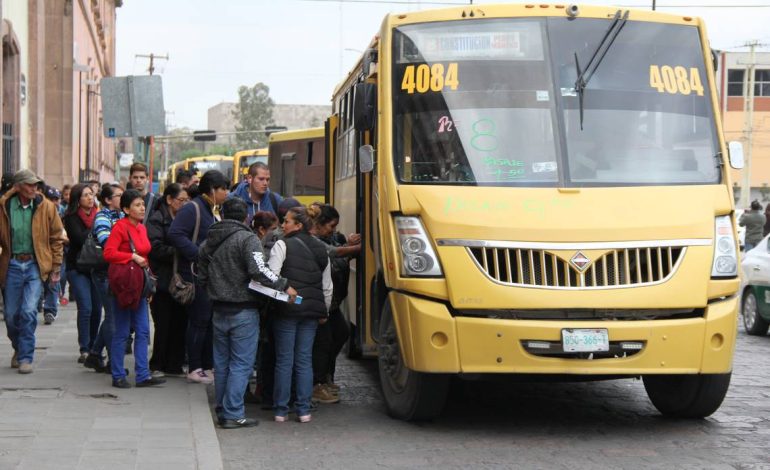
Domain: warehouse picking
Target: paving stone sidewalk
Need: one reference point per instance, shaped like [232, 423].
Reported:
[64, 416]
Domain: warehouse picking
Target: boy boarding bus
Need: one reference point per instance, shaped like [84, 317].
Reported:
[541, 191]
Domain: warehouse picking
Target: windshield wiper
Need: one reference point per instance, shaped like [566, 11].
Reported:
[584, 76]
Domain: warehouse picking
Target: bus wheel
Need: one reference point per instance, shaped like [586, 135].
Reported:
[409, 395]
[354, 350]
[687, 396]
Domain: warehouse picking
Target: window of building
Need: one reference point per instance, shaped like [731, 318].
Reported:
[735, 82]
[761, 82]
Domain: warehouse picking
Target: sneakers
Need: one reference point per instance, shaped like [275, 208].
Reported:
[94, 362]
[121, 383]
[158, 374]
[332, 387]
[322, 394]
[151, 382]
[82, 358]
[280, 419]
[14, 361]
[198, 376]
[48, 318]
[238, 423]
[305, 418]
[25, 368]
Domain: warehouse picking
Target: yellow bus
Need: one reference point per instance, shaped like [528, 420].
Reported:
[244, 159]
[541, 191]
[297, 164]
[171, 173]
[200, 165]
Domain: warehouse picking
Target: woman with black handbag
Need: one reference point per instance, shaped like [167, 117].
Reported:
[78, 222]
[168, 316]
[105, 220]
[126, 250]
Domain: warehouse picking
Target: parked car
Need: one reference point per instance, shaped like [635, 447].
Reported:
[755, 294]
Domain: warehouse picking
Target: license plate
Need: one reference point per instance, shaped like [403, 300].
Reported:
[585, 340]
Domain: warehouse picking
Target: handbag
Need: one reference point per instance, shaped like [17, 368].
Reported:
[149, 280]
[183, 292]
[91, 256]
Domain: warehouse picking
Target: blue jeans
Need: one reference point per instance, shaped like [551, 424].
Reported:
[293, 352]
[107, 328]
[125, 319]
[235, 347]
[51, 298]
[23, 289]
[89, 308]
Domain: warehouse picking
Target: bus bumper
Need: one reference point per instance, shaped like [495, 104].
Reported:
[432, 340]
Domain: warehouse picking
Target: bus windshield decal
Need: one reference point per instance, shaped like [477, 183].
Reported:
[675, 80]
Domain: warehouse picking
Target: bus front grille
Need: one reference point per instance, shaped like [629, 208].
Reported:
[617, 267]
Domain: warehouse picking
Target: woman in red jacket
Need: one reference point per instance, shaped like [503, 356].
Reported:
[118, 250]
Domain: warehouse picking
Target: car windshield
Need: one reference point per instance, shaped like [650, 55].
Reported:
[493, 102]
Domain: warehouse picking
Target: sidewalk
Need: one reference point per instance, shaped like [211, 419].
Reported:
[64, 416]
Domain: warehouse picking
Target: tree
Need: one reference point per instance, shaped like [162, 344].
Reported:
[253, 112]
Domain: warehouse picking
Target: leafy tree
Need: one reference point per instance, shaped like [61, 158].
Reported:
[253, 112]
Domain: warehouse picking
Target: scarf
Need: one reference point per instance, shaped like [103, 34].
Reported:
[214, 207]
[88, 220]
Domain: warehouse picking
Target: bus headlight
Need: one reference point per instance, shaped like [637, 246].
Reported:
[725, 253]
[417, 255]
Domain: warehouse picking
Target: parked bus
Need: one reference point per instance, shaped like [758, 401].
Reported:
[200, 165]
[171, 173]
[541, 191]
[244, 159]
[297, 164]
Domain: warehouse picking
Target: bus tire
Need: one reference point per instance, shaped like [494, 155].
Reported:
[409, 395]
[687, 396]
[354, 350]
[752, 320]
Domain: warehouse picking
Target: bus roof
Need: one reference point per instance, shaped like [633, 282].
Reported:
[310, 133]
[206, 158]
[256, 152]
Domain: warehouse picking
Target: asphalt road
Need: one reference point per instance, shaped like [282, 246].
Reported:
[593, 425]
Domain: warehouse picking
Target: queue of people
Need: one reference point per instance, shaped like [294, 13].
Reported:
[185, 259]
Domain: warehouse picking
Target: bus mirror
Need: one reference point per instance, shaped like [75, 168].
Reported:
[363, 106]
[735, 149]
[366, 158]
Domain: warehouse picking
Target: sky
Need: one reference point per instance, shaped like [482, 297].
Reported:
[302, 48]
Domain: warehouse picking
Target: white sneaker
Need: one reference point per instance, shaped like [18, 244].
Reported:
[158, 374]
[198, 376]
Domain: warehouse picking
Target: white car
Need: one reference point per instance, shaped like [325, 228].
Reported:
[755, 290]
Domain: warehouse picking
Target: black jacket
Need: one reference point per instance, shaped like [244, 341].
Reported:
[77, 234]
[304, 266]
[162, 252]
[229, 259]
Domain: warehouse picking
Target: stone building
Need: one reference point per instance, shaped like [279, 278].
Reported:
[291, 116]
[54, 54]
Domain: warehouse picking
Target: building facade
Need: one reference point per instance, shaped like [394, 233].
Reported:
[291, 116]
[754, 133]
[54, 54]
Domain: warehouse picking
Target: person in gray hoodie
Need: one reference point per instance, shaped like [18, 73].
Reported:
[229, 259]
[754, 221]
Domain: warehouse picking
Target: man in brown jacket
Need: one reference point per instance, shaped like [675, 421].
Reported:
[32, 249]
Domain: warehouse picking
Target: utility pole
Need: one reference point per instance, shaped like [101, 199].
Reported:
[748, 123]
[152, 58]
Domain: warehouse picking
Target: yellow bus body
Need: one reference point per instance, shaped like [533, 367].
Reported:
[243, 159]
[471, 319]
[296, 161]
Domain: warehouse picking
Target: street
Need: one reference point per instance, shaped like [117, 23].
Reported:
[557, 425]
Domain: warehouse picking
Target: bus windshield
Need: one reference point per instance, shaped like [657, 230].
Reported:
[493, 102]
